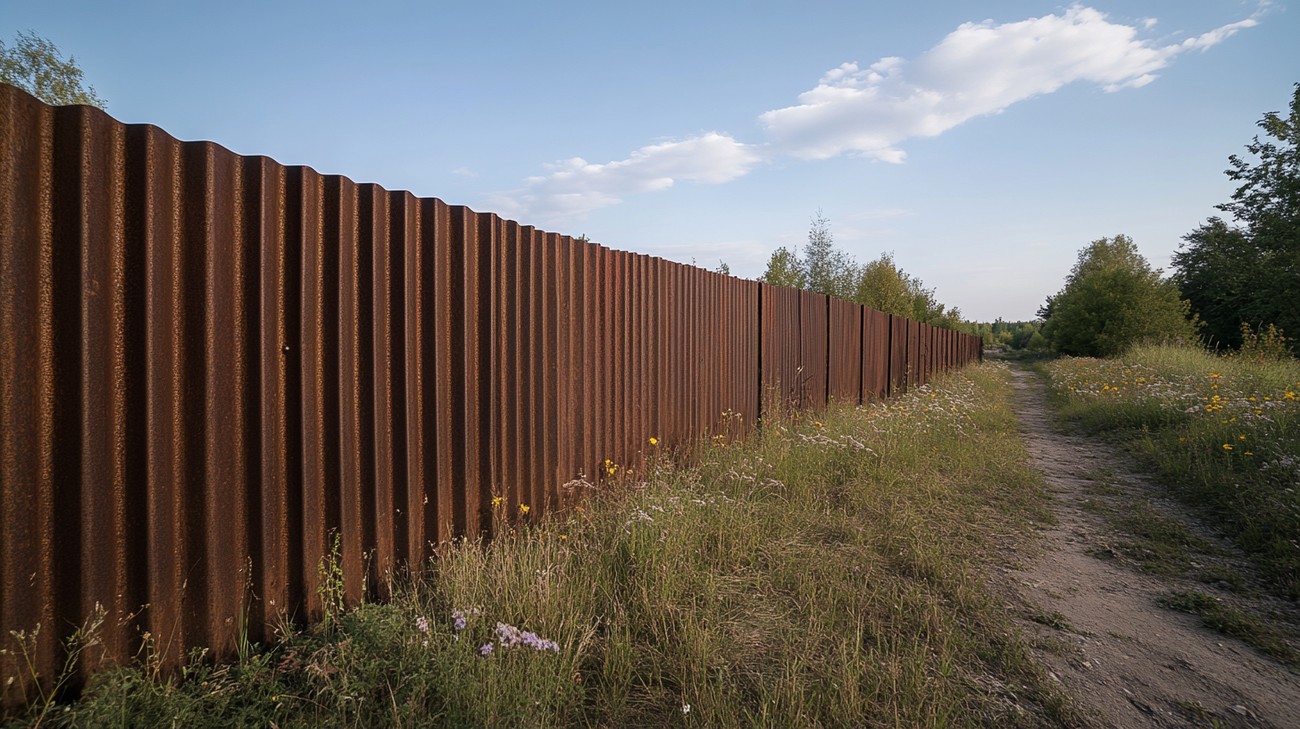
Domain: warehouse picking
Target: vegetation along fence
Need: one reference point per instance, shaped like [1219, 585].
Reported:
[212, 366]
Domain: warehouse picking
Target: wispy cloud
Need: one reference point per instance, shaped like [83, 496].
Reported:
[575, 186]
[977, 70]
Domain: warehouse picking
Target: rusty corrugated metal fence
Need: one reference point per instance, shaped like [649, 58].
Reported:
[212, 366]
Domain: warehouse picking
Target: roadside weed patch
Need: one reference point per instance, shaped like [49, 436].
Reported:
[1222, 617]
[1223, 432]
[828, 571]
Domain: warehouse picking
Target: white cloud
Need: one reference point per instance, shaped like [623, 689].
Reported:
[978, 69]
[575, 186]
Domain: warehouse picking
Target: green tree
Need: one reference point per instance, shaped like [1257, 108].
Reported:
[785, 269]
[35, 65]
[829, 270]
[880, 284]
[885, 287]
[1219, 270]
[1113, 299]
[1249, 272]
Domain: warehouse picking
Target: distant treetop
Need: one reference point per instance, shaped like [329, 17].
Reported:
[35, 65]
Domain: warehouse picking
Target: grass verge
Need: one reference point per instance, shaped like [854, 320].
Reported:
[829, 571]
[1223, 433]
[1221, 617]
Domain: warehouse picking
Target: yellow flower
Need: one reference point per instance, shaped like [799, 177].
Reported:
[1250, 453]
[1227, 446]
[498, 500]
[523, 508]
[1241, 437]
[654, 441]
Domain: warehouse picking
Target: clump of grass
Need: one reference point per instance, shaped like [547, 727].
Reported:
[1223, 433]
[826, 572]
[1221, 617]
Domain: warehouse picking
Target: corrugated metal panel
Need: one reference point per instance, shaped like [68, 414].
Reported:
[898, 355]
[875, 354]
[814, 333]
[845, 374]
[779, 358]
[216, 368]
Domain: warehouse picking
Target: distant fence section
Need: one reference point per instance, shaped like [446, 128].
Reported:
[213, 366]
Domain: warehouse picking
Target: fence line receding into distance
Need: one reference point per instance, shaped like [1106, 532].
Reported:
[212, 366]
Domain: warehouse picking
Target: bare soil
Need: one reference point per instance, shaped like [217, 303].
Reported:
[1097, 625]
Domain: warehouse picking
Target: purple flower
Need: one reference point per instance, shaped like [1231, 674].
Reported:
[459, 619]
[422, 624]
[510, 636]
[485, 649]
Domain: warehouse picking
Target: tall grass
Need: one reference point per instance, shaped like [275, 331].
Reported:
[829, 571]
[1223, 432]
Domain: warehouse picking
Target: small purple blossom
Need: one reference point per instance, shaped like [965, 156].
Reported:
[458, 619]
[510, 636]
[422, 624]
[485, 649]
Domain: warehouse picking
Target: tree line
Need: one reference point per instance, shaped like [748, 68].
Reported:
[1235, 282]
[880, 284]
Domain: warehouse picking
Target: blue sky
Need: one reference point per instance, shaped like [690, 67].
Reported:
[983, 144]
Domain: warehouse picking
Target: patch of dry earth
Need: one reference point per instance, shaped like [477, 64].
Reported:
[1121, 655]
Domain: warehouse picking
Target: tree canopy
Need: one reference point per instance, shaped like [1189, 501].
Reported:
[880, 284]
[1113, 299]
[35, 65]
[1249, 271]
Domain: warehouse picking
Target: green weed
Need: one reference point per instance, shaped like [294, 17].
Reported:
[825, 572]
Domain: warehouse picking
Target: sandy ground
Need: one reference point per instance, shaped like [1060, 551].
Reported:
[1123, 657]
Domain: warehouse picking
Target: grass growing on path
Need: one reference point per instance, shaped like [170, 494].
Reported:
[1223, 432]
[829, 571]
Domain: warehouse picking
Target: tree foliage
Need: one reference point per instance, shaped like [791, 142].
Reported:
[830, 271]
[1113, 299]
[1249, 271]
[1001, 333]
[784, 268]
[35, 65]
[880, 284]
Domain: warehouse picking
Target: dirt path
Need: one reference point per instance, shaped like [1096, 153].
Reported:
[1099, 628]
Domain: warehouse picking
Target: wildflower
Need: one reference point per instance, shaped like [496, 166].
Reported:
[686, 708]
[510, 636]
[1241, 437]
[523, 508]
[1227, 446]
[422, 624]
[654, 441]
[485, 649]
[497, 501]
[459, 619]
